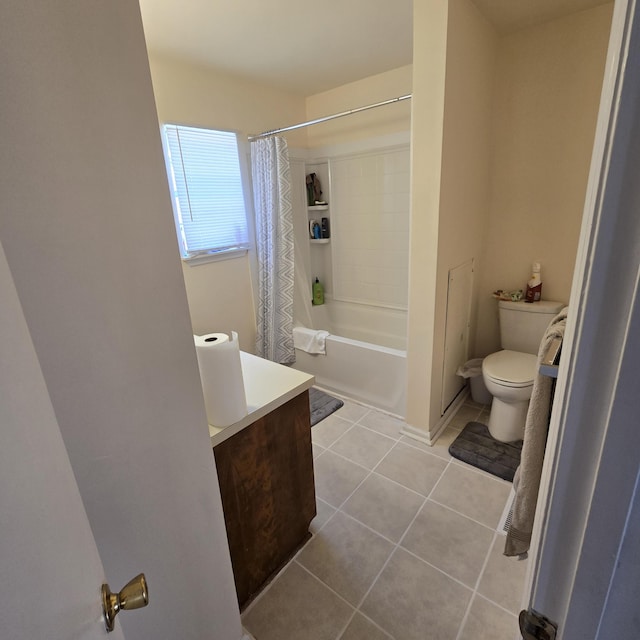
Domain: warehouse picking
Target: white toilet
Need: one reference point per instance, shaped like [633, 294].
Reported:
[509, 374]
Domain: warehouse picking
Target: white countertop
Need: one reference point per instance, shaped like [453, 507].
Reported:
[267, 386]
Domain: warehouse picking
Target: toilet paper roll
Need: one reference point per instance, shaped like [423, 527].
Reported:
[221, 377]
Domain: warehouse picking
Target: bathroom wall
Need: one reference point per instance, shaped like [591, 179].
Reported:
[220, 293]
[203, 96]
[464, 189]
[454, 58]
[548, 83]
[386, 120]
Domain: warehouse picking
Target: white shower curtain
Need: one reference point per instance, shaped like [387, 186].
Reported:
[274, 239]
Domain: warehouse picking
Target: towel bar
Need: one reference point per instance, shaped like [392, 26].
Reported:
[551, 358]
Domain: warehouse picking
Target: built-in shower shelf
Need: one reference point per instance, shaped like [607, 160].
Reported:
[319, 207]
[319, 240]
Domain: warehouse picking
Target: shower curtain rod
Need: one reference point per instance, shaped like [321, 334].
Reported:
[264, 134]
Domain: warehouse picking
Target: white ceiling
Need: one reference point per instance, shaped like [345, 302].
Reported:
[304, 47]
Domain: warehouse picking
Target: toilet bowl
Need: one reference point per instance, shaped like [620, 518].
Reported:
[508, 376]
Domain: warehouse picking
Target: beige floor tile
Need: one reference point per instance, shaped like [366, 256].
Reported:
[317, 449]
[362, 629]
[441, 446]
[449, 541]
[336, 478]
[346, 556]
[363, 446]
[382, 423]
[327, 431]
[414, 601]
[466, 413]
[484, 416]
[323, 512]
[474, 494]
[412, 468]
[352, 411]
[297, 606]
[486, 621]
[503, 578]
[412, 442]
[384, 506]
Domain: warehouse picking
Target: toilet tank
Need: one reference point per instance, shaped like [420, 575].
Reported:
[522, 324]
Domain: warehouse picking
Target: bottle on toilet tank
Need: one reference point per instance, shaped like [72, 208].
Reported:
[534, 286]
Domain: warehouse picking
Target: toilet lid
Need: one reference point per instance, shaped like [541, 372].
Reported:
[511, 368]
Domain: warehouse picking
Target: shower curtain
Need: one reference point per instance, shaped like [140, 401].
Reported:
[274, 239]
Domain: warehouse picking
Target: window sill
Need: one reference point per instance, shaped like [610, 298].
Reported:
[215, 256]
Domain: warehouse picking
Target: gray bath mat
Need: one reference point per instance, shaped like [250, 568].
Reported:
[322, 405]
[476, 447]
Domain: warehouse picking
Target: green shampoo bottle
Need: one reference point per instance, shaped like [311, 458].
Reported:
[318, 292]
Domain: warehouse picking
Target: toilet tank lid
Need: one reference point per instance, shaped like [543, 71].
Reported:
[542, 306]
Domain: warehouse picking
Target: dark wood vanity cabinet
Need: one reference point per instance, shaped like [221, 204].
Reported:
[268, 493]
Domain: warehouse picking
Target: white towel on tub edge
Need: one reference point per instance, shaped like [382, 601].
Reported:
[310, 340]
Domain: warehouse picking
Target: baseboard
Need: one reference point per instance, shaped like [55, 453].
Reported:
[430, 437]
[416, 434]
[451, 411]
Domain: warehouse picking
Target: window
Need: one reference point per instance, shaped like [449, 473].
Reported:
[203, 167]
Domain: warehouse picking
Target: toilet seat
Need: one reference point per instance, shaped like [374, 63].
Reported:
[510, 368]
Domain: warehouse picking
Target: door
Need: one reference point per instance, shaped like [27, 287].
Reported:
[50, 567]
[584, 569]
[87, 230]
[456, 341]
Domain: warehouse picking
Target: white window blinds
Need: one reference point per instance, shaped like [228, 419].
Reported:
[203, 167]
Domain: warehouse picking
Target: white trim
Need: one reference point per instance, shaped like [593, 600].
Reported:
[214, 256]
[441, 425]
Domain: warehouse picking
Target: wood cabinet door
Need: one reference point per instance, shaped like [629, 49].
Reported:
[268, 493]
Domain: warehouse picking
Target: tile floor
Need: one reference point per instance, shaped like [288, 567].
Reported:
[404, 544]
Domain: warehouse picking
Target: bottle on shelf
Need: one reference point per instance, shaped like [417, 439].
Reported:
[315, 230]
[324, 226]
[318, 292]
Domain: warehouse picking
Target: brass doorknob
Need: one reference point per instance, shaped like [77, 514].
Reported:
[134, 595]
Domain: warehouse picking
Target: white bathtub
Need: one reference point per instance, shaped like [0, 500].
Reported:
[370, 373]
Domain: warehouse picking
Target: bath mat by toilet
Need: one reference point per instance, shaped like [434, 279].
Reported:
[322, 405]
[475, 446]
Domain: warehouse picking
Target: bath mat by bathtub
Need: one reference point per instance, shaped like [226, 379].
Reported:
[476, 447]
[322, 405]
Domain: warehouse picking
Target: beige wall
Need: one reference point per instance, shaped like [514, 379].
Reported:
[385, 120]
[463, 208]
[519, 120]
[220, 293]
[464, 188]
[429, 65]
[477, 183]
[546, 102]
[203, 96]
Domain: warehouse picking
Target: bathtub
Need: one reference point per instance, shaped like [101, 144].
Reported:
[374, 374]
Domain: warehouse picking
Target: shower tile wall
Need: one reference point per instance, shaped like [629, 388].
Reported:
[370, 220]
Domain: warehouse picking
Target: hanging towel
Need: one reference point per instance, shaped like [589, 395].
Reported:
[526, 481]
[309, 340]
